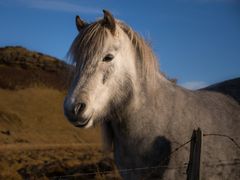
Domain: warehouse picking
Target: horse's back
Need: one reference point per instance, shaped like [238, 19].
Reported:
[217, 115]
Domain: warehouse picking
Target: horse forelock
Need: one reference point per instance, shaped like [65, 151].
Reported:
[87, 44]
[90, 41]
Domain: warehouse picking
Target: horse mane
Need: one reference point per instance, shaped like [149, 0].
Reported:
[89, 39]
[94, 35]
[146, 58]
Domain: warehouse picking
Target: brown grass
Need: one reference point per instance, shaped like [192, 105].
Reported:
[40, 143]
[35, 115]
[66, 162]
[36, 141]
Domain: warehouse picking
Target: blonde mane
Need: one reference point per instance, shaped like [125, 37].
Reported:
[148, 61]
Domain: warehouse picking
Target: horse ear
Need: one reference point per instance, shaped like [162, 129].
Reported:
[79, 23]
[109, 21]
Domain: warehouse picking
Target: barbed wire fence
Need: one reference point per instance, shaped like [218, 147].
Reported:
[235, 162]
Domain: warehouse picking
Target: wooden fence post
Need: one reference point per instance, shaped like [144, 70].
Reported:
[194, 165]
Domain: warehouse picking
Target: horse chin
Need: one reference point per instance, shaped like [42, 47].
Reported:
[84, 123]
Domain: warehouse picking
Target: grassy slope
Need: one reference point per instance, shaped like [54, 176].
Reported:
[32, 89]
[36, 140]
[42, 144]
[35, 115]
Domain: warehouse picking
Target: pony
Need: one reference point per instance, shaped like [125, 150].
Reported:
[143, 115]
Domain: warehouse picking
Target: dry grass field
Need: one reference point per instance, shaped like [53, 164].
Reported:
[36, 141]
[55, 162]
[35, 115]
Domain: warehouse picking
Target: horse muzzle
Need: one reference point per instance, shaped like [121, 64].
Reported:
[74, 113]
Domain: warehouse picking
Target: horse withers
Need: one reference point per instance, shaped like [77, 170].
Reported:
[143, 115]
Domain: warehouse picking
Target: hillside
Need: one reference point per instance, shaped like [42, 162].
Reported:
[21, 68]
[36, 140]
[32, 89]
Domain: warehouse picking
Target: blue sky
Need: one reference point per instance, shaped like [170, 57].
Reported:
[196, 41]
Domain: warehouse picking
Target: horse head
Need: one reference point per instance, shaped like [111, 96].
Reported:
[104, 73]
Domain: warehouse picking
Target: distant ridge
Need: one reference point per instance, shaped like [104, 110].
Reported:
[21, 68]
[229, 87]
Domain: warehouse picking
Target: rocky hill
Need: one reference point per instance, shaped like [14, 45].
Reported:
[21, 68]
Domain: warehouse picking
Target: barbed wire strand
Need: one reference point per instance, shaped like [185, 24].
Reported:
[151, 167]
[179, 147]
[124, 170]
[137, 169]
[226, 136]
[230, 163]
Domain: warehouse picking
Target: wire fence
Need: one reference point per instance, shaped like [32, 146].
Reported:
[125, 171]
[226, 136]
[233, 162]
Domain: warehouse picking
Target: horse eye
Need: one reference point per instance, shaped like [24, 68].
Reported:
[108, 58]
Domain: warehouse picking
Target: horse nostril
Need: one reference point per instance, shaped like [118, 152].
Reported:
[79, 108]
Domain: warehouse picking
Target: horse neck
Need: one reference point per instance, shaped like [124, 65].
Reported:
[143, 109]
[144, 106]
[151, 89]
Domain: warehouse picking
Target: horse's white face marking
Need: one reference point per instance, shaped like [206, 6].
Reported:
[101, 84]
